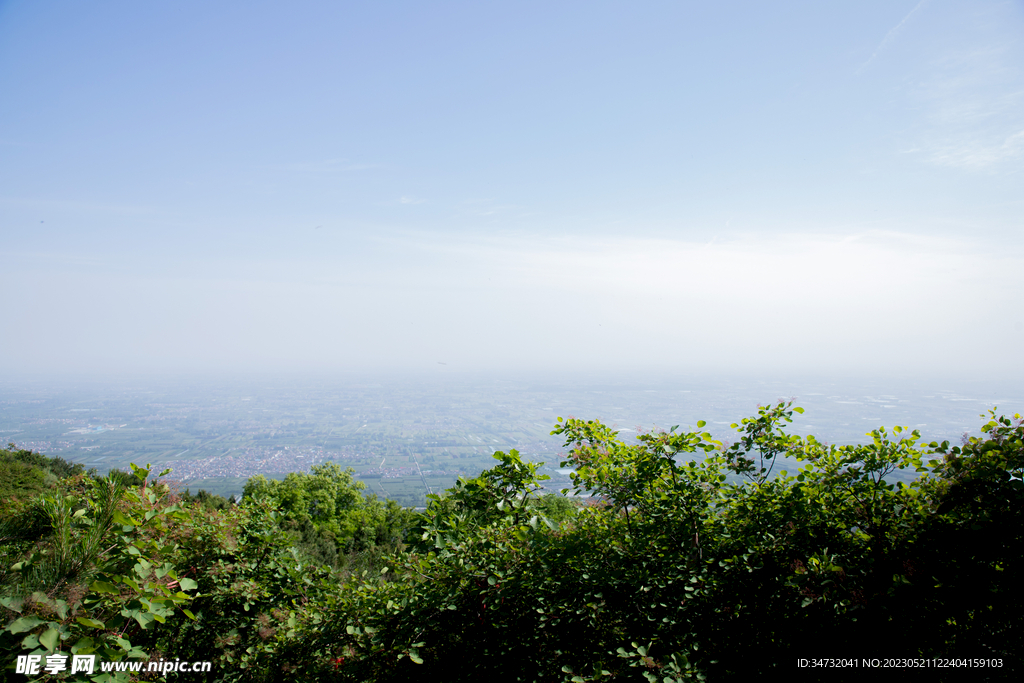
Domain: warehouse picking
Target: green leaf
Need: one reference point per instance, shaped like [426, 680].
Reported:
[91, 623]
[145, 619]
[120, 518]
[24, 624]
[188, 584]
[13, 604]
[84, 646]
[50, 639]
[103, 587]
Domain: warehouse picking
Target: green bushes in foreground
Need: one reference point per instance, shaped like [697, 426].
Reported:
[697, 563]
[692, 559]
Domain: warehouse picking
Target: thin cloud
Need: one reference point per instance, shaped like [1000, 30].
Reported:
[974, 103]
[868, 299]
[891, 35]
[977, 154]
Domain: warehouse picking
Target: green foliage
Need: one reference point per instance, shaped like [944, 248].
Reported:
[58, 467]
[327, 506]
[694, 562]
[206, 499]
[249, 579]
[101, 578]
[499, 496]
[764, 436]
[122, 572]
[25, 474]
[555, 507]
[20, 481]
[972, 547]
[691, 560]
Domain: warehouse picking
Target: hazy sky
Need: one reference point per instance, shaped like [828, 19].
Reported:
[320, 186]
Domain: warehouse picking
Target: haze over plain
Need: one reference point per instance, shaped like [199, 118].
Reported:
[603, 187]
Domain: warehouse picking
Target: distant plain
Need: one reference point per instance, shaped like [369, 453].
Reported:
[407, 436]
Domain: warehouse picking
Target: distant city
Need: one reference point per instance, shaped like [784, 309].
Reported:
[407, 437]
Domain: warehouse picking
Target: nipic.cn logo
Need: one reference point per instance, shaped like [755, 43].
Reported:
[33, 665]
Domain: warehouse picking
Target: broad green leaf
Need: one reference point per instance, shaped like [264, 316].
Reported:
[24, 624]
[50, 639]
[145, 619]
[122, 519]
[13, 604]
[84, 646]
[103, 587]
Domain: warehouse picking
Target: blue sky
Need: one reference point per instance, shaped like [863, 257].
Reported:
[324, 186]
